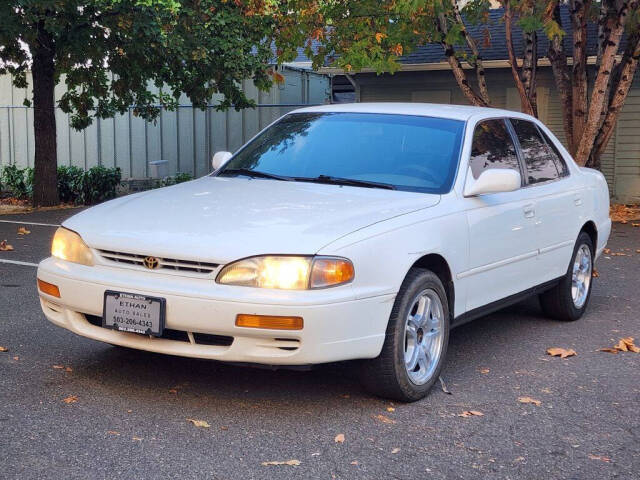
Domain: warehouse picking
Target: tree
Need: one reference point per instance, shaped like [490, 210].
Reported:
[110, 53]
[357, 34]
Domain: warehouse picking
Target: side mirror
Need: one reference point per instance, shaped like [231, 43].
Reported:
[494, 180]
[219, 159]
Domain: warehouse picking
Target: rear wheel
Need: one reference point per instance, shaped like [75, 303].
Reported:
[416, 341]
[568, 300]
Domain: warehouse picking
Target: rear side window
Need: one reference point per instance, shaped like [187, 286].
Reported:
[561, 165]
[538, 156]
[492, 148]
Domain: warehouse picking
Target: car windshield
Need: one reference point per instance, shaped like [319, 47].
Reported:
[402, 152]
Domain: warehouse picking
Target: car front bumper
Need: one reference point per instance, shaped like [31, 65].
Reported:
[337, 324]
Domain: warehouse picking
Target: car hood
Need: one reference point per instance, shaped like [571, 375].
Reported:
[220, 219]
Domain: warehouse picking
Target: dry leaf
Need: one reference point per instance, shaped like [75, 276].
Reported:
[484, 370]
[599, 457]
[607, 251]
[384, 419]
[471, 413]
[595, 273]
[355, 462]
[5, 247]
[4, 349]
[561, 352]
[293, 463]
[624, 345]
[537, 403]
[113, 432]
[70, 399]
[608, 350]
[16, 358]
[635, 224]
[173, 390]
[395, 450]
[23, 231]
[380, 36]
[444, 386]
[199, 423]
[339, 438]
[68, 369]
[136, 439]
[391, 409]
[59, 367]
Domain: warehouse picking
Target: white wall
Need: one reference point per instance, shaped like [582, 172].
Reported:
[186, 138]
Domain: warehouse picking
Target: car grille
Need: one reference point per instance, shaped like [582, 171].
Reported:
[164, 264]
[179, 335]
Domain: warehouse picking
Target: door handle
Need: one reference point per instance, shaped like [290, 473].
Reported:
[577, 199]
[529, 210]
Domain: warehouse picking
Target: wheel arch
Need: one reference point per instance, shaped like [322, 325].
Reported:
[439, 265]
[590, 229]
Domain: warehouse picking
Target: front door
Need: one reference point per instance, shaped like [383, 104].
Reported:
[502, 241]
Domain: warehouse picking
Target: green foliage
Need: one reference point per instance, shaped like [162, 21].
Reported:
[74, 184]
[175, 179]
[17, 181]
[99, 184]
[70, 184]
[113, 54]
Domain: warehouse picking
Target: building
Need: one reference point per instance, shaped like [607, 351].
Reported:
[425, 76]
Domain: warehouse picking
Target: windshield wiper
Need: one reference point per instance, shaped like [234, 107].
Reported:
[345, 181]
[254, 174]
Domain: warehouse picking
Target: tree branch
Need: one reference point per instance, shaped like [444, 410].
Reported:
[478, 63]
[508, 22]
[579, 10]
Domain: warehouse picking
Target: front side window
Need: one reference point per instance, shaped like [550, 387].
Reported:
[492, 148]
[404, 152]
[538, 157]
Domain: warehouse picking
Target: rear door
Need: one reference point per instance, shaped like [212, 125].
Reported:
[502, 244]
[559, 211]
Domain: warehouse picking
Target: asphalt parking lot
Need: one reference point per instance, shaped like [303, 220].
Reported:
[129, 410]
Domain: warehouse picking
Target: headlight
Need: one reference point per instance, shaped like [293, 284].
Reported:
[287, 272]
[68, 245]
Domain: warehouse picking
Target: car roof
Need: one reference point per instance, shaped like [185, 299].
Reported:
[456, 112]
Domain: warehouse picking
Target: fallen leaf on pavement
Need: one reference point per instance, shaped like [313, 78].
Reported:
[395, 450]
[59, 367]
[68, 369]
[635, 224]
[561, 352]
[4, 349]
[199, 423]
[599, 457]
[384, 419]
[71, 399]
[391, 409]
[608, 350]
[136, 439]
[16, 358]
[471, 413]
[23, 231]
[355, 462]
[484, 370]
[537, 403]
[595, 273]
[113, 432]
[5, 247]
[293, 463]
[624, 345]
[339, 438]
[173, 390]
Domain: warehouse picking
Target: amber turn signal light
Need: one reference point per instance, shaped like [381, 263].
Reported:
[269, 321]
[48, 288]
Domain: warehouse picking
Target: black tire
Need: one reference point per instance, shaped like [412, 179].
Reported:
[386, 375]
[557, 302]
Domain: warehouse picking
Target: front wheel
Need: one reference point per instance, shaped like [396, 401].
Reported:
[568, 300]
[416, 341]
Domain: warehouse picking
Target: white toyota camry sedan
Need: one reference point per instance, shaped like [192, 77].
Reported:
[341, 232]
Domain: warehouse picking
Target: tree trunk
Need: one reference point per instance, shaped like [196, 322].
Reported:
[562, 79]
[579, 10]
[600, 88]
[508, 24]
[45, 181]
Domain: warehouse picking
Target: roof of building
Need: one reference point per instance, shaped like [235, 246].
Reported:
[457, 112]
[497, 50]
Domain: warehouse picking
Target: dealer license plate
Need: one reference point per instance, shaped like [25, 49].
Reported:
[130, 312]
